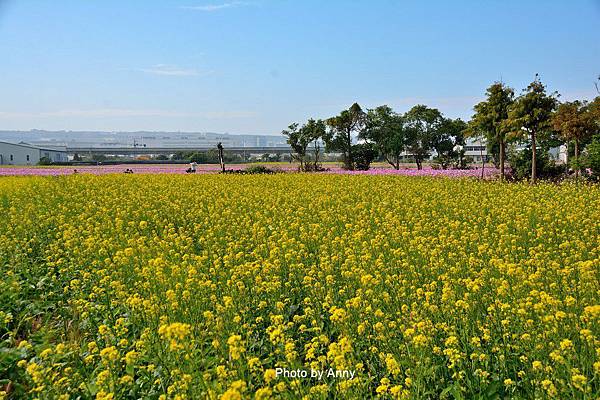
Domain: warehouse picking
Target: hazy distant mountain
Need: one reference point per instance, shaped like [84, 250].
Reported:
[141, 138]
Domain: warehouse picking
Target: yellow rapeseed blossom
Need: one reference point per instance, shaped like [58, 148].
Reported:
[217, 286]
[175, 333]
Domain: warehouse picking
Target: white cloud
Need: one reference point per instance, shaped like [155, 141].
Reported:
[171, 70]
[216, 7]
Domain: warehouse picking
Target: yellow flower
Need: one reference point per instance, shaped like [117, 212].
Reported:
[549, 387]
[566, 344]
[236, 347]
[131, 357]
[392, 365]
[579, 381]
[102, 395]
[46, 353]
[175, 333]
[109, 354]
[263, 394]
[24, 344]
[269, 375]
[200, 283]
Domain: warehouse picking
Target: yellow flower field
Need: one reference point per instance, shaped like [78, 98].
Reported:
[163, 286]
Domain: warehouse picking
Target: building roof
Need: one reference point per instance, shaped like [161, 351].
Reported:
[27, 145]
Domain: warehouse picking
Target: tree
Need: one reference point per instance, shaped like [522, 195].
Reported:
[297, 142]
[221, 159]
[574, 121]
[315, 131]
[179, 155]
[593, 157]
[199, 157]
[422, 130]
[299, 138]
[98, 158]
[594, 112]
[364, 154]
[385, 129]
[450, 134]
[342, 128]
[45, 161]
[491, 119]
[531, 115]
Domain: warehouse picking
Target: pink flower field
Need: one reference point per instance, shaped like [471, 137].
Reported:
[108, 169]
[426, 171]
[214, 168]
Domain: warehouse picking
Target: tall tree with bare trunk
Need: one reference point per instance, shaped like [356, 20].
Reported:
[531, 116]
[342, 130]
[491, 118]
[574, 122]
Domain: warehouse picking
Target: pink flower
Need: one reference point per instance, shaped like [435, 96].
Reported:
[215, 168]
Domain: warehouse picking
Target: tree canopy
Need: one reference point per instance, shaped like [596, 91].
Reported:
[491, 119]
[300, 137]
[385, 129]
[531, 114]
[574, 122]
[423, 131]
[342, 129]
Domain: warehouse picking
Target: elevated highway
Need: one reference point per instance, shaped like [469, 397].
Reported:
[140, 150]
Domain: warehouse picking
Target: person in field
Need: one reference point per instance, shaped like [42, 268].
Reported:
[192, 168]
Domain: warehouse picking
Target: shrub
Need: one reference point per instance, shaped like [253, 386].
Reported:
[520, 164]
[311, 167]
[45, 161]
[259, 169]
[202, 158]
[442, 162]
[364, 154]
[252, 170]
[591, 159]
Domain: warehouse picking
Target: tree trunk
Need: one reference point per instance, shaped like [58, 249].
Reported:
[221, 160]
[482, 161]
[502, 144]
[395, 165]
[533, 159]
[350, 161]
[576, 159]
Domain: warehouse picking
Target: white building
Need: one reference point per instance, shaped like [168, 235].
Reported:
[26, 154]
[476, 148]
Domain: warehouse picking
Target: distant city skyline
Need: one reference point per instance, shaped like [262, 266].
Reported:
[255, 67]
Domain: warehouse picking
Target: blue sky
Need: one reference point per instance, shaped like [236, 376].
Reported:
[256, 66]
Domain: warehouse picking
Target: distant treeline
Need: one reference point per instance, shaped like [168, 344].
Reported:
[519, 130]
